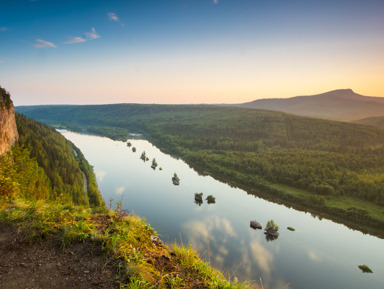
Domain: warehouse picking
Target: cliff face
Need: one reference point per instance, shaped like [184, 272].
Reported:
[8, 130]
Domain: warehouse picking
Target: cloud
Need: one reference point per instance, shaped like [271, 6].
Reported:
[72, 40]
[216, 1]
[89, 36]
[3, 29]
[92, 35]
[43, 44]
[112, 16]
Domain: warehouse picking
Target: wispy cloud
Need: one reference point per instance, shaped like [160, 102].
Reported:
[92, 35]
[72, 40]
[43, 44]
[5, 59]
[3, 29]
[216, 1]
[113, 17]
[88, 36]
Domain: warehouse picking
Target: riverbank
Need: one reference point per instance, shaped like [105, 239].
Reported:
[124, 250]
[354, 213]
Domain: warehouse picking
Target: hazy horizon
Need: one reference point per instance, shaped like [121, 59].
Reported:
[188, 52]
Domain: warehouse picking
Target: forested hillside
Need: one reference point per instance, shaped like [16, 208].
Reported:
[374, 121]
[328, 166]
[56, 164]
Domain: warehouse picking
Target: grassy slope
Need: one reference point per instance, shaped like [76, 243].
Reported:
[265, 140]
[143, 263]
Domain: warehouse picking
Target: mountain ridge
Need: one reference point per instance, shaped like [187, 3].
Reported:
[340, 104]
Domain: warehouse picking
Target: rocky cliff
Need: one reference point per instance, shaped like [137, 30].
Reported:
[8, 130]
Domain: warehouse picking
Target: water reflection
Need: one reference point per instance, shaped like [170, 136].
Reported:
[314, 256]
[322, 254]
[120, 190]
[213, 229]
[198, 202]
[199, 198]
[270, 238]
[100, 175]
[246, 259]
[262, 257]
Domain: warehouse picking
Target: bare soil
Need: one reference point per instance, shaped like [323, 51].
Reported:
[43, 264]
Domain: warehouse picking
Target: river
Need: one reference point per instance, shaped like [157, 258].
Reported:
[318, 254]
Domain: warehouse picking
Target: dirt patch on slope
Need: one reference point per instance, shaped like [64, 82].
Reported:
[44, 264]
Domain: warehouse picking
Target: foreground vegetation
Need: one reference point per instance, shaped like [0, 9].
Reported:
[334, 169]
[143, 261]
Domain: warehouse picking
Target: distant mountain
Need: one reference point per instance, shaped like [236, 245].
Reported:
[341, 104]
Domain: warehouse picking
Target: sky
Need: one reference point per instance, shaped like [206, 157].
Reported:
[188, 51]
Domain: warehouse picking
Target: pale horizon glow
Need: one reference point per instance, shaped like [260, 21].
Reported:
[183, 52]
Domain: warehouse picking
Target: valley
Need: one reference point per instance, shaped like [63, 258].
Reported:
[332, 163]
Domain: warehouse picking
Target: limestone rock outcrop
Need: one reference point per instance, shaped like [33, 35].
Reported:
[8, 129]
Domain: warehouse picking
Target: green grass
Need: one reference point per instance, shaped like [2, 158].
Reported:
[342, 202]
[123, 236]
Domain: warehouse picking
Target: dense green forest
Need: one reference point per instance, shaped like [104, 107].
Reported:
[313, 163]
[51, 166]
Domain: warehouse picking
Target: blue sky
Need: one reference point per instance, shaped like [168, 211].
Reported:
[188, 51]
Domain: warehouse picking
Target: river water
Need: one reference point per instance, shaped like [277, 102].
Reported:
[318, 254]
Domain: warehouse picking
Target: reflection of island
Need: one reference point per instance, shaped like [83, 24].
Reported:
[143, 156]
[211, 199]
[175, 179]
[271, 234]
[154, 164]
[198, 198]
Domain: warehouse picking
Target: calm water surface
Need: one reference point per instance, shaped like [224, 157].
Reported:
[319, 254]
